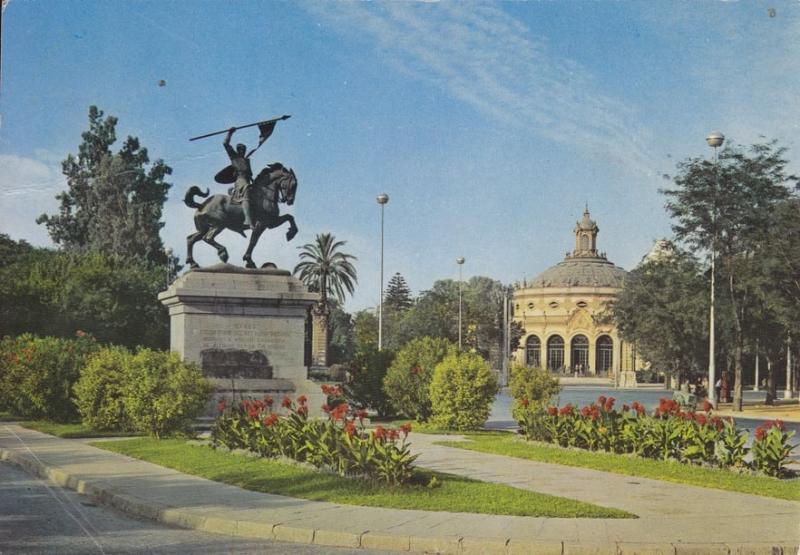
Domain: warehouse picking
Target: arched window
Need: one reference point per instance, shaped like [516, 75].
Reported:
[555, 353]
[533, 351]
[579, 353]
[584, 242]
[604, 353]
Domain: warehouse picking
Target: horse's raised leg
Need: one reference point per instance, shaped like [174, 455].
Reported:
[255, 234]
[190, 241]
[222, 252]
[292, 226]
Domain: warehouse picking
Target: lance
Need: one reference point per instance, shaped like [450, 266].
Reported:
[241, 127]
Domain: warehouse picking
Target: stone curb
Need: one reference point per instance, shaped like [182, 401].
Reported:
[105, 494]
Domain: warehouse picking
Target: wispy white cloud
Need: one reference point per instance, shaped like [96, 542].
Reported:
[27, 189]
[483, 57]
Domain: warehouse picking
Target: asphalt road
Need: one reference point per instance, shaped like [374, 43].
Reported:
[37, 516]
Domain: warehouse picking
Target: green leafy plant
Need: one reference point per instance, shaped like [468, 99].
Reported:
[535, 385]
[340, 443]
[462, 391]
[163, 394]
[732, 446]
[407, 382]
[365, 388]
[100, 391]
[37, 375]
[771, 448]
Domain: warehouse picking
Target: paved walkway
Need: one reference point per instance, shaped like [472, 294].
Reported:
[673, 518]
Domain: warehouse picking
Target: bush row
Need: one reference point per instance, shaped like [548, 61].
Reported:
[669, 433]
[339, 443]
[428, 380]
[110, 388]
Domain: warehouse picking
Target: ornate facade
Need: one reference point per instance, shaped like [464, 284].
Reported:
[564, 313]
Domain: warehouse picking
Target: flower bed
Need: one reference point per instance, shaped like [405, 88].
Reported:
[340, 442]
[669, 433]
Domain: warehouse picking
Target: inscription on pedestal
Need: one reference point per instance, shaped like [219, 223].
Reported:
[235, 363]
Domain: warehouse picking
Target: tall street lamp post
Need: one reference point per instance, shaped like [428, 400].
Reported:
[382, 199]
[460, 262]
[714, 140]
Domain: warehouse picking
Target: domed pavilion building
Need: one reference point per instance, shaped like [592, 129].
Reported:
[564, 311]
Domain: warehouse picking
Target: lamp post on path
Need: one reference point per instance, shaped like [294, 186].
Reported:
[714, 140]
[460, 262]
[382, 199]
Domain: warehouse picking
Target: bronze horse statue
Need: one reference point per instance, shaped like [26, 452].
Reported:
[273, 185]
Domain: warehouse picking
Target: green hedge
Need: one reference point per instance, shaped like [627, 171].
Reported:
[462, 391]
[37, 375]
[407, 383]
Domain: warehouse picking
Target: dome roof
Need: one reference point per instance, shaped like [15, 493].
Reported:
[584, 271]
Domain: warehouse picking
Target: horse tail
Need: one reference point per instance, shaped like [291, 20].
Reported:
[188, 199]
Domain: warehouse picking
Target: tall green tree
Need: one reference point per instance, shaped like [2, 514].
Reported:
[398, 296]
[726, 208]
[324, 268]
[663, 309]
[114, 201]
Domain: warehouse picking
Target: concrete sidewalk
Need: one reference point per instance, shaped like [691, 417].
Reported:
[674, 519]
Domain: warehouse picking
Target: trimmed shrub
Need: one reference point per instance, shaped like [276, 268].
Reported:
[163, 395]
[532, 389]
[365, 388]
[407, 383]
[37, 375]
[100, 391]
[462, 391]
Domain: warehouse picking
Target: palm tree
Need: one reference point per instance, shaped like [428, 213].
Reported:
[326, 270]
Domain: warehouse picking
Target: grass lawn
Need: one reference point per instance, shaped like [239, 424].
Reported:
[454, 494]
[513, 445]
[69, 431]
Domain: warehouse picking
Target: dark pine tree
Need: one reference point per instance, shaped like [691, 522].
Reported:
[398, 295]
[114, 201]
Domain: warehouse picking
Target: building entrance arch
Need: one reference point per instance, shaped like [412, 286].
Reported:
[579, 353]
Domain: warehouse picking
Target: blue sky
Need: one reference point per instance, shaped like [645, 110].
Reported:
[488, 124]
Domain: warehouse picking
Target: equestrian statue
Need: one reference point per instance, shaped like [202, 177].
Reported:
[250, 204]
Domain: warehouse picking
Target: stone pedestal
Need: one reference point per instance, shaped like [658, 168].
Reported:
[245, 329]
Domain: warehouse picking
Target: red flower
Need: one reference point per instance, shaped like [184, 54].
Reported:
[392, 434]
[302, 410]
[270, 420]
[625, 408]
[286, 403]
[566, 409]
[380, 433]
[638, 407]
[302, 400]
[601, 400]
[609, 406]
[350, 429]
[524, 403]
[552, 411]
[760, 432]
[362, 414]
[707, 406]
[221, 405]
[586, 411]
[700, 419]
[406, 429]
[268, 401]
[340, 411]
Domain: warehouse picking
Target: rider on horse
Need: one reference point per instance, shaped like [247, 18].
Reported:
[244, 176]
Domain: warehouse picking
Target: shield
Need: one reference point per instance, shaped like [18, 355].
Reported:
[226, 175]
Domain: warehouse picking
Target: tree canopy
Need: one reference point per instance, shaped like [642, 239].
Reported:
[114, 201]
